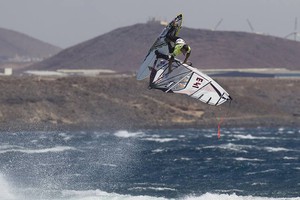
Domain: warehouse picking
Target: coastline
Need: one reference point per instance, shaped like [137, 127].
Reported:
[122, 103]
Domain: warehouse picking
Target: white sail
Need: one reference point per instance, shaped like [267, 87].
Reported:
[184, 79]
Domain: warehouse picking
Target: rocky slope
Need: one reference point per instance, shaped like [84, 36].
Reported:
[47, 103]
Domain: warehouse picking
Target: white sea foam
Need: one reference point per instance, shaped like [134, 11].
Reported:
[42, 137]
[232, 147]
[261, 172]
[259, 184]
[34, 141]
[158, 150]
[161, 140]
[7, 146]
[65, 136]
[98, 194]
[276, 149]
[210, 196]
[183, 159]
[153, 188]
[5, 193]
[251, 137]
[249, 159]
[32, 151]
[126, 134]
[290, 158]
[209, 135]
[290, 132]
[109, 165]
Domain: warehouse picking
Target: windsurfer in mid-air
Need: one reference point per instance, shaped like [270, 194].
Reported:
[183, 78]
[176, 46]
[179, 47]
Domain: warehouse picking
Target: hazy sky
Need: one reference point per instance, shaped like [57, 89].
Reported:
[68, 22]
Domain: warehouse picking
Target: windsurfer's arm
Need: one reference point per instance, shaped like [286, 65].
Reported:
[188, 53]
[186, 57]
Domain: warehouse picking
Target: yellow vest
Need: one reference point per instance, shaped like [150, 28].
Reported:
[177, 49]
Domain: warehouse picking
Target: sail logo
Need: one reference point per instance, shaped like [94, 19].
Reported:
[198, 82]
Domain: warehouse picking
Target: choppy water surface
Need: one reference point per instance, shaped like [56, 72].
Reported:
[154, 164]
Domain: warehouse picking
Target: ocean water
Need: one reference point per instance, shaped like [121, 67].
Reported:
[184, 164]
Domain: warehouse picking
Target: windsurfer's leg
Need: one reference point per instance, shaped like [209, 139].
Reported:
[170, 64]
[170, 47]
[170, 69]
[160, 55]
[153, 73]
[170, 39]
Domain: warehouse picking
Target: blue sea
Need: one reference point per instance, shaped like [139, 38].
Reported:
[183, 164]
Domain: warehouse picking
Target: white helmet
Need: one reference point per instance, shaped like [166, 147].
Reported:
[180, 41]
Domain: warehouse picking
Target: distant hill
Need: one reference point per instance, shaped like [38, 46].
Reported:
[124, 49]
[15, 46]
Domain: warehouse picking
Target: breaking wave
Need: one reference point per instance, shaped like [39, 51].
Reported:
[33, 151]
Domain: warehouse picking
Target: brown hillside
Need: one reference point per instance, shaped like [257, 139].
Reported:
[124, 49]
[13, 44]
[103, 103]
